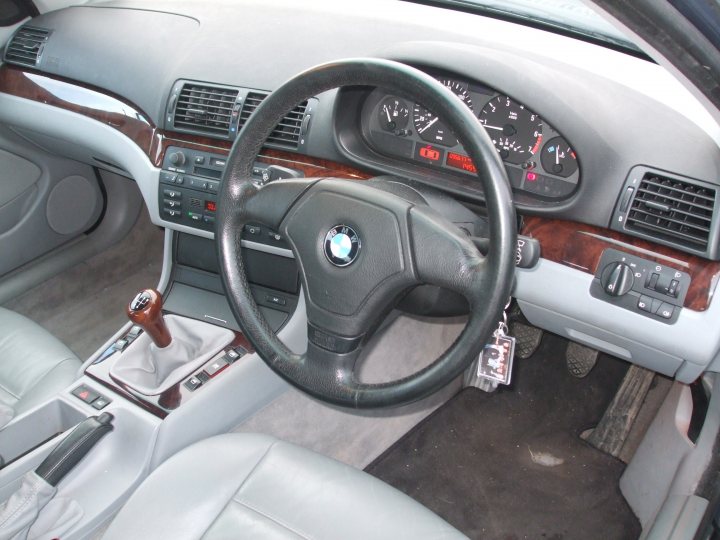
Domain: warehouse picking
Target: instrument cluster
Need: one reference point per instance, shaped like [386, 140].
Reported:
[538, 159]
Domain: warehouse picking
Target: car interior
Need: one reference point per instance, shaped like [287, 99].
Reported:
[380, 269]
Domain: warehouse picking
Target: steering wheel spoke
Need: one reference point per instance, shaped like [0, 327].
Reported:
[443, 255]
[267, 204]
[332, 342]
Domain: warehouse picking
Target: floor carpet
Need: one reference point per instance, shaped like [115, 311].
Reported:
[511, 465]
[357, 437]
[85, 305]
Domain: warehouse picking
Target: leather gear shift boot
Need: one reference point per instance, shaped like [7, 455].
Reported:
[151, 370]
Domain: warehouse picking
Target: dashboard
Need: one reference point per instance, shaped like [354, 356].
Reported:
[537, 158]
[608, 154]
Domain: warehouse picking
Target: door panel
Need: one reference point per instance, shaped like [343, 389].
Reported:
[45, 200]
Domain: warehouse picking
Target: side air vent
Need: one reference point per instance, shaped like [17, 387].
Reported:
[26, 46]
[202, 108]
[671, 210]
[287, 132]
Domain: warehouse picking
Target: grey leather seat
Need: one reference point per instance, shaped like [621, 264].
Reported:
[34, 365]
[255, 486]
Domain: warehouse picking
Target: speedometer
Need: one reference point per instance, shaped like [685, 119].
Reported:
[430, 127]
[515, 131]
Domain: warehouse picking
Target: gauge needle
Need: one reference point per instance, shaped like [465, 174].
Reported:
[492, 127]
[430, 124]
[557, 155]
[387, 111]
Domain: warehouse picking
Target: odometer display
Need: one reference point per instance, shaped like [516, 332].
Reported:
[460, 161]
[515, 131]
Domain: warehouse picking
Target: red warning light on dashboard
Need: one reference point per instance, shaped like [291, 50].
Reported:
[428, 152]
[210, 206]
[460, 161]
[531, 177]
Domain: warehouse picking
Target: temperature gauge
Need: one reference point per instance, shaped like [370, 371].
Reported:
[393, 114]
[559, 158]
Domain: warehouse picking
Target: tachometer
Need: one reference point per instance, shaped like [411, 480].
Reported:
[429, 126]
[393, 114]
[558, 158]
[515, 130]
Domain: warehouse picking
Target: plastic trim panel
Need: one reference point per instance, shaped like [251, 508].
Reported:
[558, 299]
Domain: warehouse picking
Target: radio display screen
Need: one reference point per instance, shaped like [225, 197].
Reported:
[208, 173]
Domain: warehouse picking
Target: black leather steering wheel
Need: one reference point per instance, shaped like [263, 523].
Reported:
[360, 249]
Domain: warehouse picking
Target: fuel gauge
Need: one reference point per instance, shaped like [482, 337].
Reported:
[559, 158]
[393, 114]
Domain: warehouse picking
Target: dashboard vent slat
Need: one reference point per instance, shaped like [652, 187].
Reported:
[26, 46]
[673, 210]
[287, 133]
[205, 108]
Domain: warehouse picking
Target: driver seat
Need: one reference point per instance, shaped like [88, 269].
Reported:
[254, 486]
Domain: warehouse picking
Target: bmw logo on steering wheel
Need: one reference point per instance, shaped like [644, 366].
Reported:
[342, 245]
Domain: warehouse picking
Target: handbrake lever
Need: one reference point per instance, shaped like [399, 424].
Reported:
[66, 455]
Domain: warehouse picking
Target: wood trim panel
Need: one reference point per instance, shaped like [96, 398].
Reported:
[136, 125]
[91, 102]
[580, 246]
[162, 404]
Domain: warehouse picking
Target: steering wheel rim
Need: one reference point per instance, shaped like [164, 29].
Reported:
[326, 369]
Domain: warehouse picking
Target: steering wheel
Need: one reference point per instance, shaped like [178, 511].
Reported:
[359, 249]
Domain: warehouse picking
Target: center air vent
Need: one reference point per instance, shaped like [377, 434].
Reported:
[202, 108]
[671, 210]
[221, 111]
[287, 133]
[26, 46]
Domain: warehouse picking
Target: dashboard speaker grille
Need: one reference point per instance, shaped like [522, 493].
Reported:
[205, 109]
[672, 210]
[26, 46]
[287, 133]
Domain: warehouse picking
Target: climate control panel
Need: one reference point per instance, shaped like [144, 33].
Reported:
[650, 288]
[190, 183]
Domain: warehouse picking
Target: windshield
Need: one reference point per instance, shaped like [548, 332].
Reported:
[568, 15]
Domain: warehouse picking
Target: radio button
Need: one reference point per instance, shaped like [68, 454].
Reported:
[199, 160]
[168, 177]
[173, 194]
[197, 183]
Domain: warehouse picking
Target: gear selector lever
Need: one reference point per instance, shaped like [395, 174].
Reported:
[145, 310]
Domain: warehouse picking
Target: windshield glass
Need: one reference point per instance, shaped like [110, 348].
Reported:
[570, 15]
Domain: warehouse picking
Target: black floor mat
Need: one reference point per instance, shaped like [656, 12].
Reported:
[470, 462]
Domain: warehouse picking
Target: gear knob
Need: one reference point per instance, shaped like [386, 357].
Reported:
[145, 310]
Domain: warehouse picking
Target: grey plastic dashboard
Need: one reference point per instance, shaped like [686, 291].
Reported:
[607, 104]
[618, 112]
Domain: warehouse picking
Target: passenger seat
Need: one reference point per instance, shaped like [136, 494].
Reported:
[34, 365]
